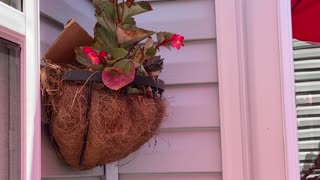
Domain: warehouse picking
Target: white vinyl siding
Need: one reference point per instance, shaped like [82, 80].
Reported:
[188, 146]
[307, 76]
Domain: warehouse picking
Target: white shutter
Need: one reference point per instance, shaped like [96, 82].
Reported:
[307, 75]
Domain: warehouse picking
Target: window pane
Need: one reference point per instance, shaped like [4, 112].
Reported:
[10, 111]
[13, 3]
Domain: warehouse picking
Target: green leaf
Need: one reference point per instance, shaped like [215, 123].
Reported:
[135, 9]
[118, 53]
[107, 24]
[104, 9]
[142, 71]
[111, 63]
[129, 22]
[151, 52]
[149, 43]
[139, 56]
[83, 59]
[109, 10]
[125, 65]
[105, 14]
[131, 36]
[164, 36]
[103, 39]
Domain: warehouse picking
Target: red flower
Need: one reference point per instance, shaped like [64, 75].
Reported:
[177, 41]
[93, 56]
[87, 50]
[103, 55]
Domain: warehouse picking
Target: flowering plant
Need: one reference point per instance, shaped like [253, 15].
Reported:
[120, 49]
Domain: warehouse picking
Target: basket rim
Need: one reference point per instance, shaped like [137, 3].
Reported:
[84, 75]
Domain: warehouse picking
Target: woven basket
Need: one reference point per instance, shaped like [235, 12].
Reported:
[90, 125]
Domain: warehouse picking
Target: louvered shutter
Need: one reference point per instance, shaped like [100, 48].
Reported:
[307, 76]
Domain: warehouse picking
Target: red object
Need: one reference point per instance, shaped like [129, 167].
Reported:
[306, 20]
[103, 55]
[87, 50]
[177, 41]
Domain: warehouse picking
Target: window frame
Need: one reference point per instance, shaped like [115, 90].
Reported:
[23, 28]
[244, 118]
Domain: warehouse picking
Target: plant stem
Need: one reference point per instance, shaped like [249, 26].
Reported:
[123, 4]
[163, 42]
[116, 6]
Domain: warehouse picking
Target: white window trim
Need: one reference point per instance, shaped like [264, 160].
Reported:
[23, 28]
[288, 91]
[32, 75]
[12, 18]
[237, 114]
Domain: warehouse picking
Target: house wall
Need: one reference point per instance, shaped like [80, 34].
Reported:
[189, 145]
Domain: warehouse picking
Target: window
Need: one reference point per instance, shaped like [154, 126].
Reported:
[22, 28]
[307, 77]
[10, 114]
[17, 4]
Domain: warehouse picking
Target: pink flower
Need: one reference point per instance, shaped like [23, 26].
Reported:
[93, 56]
[177, 41]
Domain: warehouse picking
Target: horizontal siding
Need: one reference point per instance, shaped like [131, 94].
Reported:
[63, 10]
[76, 178]
[177, 152]
[188, 146]
[187, 17]
[192, 106]
[195, 63]
[49, 31]
[171, 177]
[53, 168]
[173, 16]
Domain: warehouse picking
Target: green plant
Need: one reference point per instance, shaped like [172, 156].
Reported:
[121, 49]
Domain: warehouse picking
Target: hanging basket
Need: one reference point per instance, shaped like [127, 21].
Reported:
[91, 125]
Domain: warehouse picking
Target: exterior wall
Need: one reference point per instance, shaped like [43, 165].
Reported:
[189, 144]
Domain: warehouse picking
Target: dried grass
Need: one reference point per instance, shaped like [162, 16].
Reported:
[119, 124]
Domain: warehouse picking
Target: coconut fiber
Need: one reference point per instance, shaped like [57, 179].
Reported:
[114, 126]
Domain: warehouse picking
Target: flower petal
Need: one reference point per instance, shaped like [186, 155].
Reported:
[103, 54]
[87, 50]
